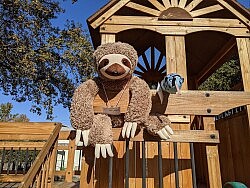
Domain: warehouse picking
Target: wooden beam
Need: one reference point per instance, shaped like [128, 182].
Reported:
[166, 3]
[109, 13]
[182, 3]
[26, 128]
[244, 55]
[143, 9]
[71, 159]
[173, 30]
[196, 136]
[11, 178]
[174, 3]
[192, 5]
[176, 57]
[157, 5]
[106, 38]
[235, 12]
[212, 155]
[16, 136]
[9, 144]
[188, 103]
[206, 10]
[153, 21]
[216, 61]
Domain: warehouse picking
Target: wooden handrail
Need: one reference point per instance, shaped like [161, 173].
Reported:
[195, 136]
[34, 170]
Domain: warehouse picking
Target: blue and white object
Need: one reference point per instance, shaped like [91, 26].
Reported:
[171, 84]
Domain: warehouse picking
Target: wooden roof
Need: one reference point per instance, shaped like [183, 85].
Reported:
[144, 23]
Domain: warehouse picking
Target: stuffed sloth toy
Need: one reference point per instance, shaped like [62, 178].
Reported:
[115, 63]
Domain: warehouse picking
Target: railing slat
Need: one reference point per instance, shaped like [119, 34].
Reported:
[110, 171]
[143, 165]
[193, 165]
[2, 161]
[9, 161]
[127, 165]
[176, 167]
[160, 165]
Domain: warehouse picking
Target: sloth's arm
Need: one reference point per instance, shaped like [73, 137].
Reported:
[81, 112]
[140, 101]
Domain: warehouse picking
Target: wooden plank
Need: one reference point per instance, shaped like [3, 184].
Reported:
[244, 55]
[166, 3]
[29, 177]
[216, 61]
[182, 3]
[87, 168]
[152, 179]
[157, 5]
[171, 54]
[109, 13]
[173, 30]
[174, 3]
[185, 160]
[23, 137]
[70, 160]
[213, 163]
[105, 38]
[132, 165]
[52, 165]
[11, 178]
[143, 9]
[196, 22]
[192, 5]
[138, 164]
[24, 129]
[191, 102]
[206, 10]
[179, 118]
[235, 12]
[119, 163]
[9, 144]
[178, 136]
[213, 166]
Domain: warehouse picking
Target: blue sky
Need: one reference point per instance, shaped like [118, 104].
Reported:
[78, 12]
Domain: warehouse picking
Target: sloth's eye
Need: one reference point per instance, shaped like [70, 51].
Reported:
[103, 63]
[126, 62]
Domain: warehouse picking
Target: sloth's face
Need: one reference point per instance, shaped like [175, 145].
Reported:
[114, 66]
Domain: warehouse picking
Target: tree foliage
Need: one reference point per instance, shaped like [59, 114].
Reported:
[39, 62]
[7, 116]
[224, 78]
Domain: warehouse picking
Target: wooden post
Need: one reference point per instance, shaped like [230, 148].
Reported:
[52, 165]
[70, 161]
[176, 57]
[106, 38]
[244, 54]
[213, 163]
[176, 63]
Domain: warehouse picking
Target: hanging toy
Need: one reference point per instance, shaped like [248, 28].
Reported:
[171, 84]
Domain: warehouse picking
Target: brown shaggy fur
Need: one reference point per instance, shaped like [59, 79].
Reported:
[100, 125]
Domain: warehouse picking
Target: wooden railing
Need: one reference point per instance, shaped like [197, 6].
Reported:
[38, 142]
[103, 172]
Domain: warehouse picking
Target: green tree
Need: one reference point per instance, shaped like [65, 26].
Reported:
[7, 116]
[224, 78]
[39, 62]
